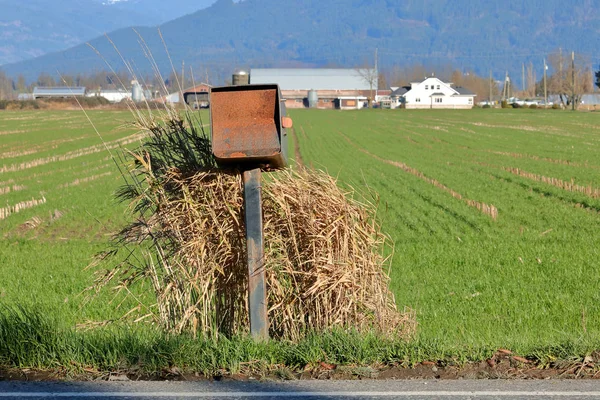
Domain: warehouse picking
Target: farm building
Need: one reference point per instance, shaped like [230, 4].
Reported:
[114, 96]
[176, 97]
[320, 87]
[432, 93]
[58, 92]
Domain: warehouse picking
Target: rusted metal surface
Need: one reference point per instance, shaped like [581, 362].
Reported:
[247, 127]
[257, 291]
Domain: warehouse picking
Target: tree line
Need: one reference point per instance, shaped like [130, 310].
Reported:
[568, 78]
[10, 88]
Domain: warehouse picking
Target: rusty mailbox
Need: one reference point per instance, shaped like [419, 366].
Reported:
[248, 126]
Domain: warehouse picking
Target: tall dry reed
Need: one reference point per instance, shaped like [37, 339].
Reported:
[326, 258]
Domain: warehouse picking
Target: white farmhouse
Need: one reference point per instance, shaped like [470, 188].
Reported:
[432, 93]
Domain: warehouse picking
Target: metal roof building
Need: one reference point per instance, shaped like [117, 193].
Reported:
[58, 91]
[590, 98]
[315, 78]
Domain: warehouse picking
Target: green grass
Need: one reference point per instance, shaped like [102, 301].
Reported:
[44, 266]
[527, 281]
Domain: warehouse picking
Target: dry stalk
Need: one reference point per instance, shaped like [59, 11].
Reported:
[571, 186]
[325, 255]
[73, 154]
[79, 181]
[13, 188]
[5, 212]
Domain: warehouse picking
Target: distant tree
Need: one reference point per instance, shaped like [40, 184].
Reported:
[531, 80]
[21, 84]
[597, 74]
[403, 76]
[45, 80]
[370, 76]
[475, 83]
[561, 81]
[67, 80]
[382, 81]
[7, 91]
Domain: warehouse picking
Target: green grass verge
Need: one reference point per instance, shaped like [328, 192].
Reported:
[527, 281]
[34, 338]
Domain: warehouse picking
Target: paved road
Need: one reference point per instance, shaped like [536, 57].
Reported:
[336, 390]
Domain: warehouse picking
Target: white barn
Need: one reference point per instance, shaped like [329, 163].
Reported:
[432, 93]
[114, 96]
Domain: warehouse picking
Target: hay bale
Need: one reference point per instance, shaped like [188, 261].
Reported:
[324, 258]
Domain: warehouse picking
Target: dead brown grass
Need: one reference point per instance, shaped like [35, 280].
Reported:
[326, 258]
[23, 205]
[569, 186]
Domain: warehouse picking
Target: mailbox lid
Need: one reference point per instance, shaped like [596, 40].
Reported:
[246, 125]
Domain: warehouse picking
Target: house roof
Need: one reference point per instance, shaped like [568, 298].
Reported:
[400, 91]
[590, 98]
[314, 78]
[463, 91]
[59, 91]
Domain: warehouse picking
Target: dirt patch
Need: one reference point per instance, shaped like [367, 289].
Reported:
[503, 365]
[297, 152]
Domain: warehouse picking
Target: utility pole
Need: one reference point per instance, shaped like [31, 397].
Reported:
[181, 100]
[490, 98]
[523, 76]
[506, 90]
[573, 81]
[375, 78]
[376, 61]
[545, 87]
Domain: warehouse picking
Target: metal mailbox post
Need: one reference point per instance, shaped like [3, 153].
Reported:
[248, 132]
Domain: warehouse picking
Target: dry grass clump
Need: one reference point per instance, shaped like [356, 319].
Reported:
[115, 144]
[571, 186]
[325, 256]
[5, 212]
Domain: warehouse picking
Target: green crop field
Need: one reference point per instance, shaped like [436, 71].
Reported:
[526, 277]
[58, 159]
[494, 215]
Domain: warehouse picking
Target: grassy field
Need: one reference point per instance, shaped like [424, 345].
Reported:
[526, 278]
[58, 156]
[494, 215]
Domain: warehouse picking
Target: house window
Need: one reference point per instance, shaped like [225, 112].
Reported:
[417, 100]
[438, 99]
[438, 86]
[426, 87]
[470, 100]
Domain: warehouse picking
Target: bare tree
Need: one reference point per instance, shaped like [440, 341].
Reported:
[370, 76]
[571, 78]
[7, 90]
[45, 80]
[531, 80]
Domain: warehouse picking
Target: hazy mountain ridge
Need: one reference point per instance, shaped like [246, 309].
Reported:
[497, 35]
[35, 27]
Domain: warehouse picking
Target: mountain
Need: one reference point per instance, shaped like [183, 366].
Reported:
[479, 35]
[35, 27]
